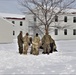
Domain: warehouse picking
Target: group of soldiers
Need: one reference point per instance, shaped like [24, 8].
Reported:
[46, 43]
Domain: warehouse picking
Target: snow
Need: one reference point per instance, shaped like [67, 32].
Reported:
[11, 15]
[70, 10]
[61, 62]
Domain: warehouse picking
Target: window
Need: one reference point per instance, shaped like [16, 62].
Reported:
[13, 22]
[13, 32]
[65, 19]
[65, 31]
[56, 18]
[21, 23]
[74, 31]
[34, 19]
[74, 19]
[56, 31]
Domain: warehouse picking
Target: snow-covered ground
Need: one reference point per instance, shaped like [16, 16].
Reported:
[61, 62]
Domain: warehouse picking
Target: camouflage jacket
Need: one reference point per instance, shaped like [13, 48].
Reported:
[26, 40]
[20, 40]
[36, 40]
[46, 39]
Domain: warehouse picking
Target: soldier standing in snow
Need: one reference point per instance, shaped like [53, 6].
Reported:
[35, 45]
[53, 46]
[26, 43]
[46, 40]
[30, 40]
[20, 42]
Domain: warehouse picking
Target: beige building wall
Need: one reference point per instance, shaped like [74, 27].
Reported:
[6, 29]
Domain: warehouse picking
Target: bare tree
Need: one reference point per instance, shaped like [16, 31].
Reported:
[46, 10]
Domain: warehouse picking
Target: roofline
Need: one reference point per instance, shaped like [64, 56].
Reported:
[15, 18]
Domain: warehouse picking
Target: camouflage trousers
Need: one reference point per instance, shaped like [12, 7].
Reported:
[21, 48]
[46, 48]
[34, 50]
[25, 49]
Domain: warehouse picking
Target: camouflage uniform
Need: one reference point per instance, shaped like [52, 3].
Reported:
[20, 42]
[46, 40]
[35, 45]
[53, 46]
[26, 43]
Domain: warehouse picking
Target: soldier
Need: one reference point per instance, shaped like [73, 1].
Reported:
[26, 43]
[35, 45]
[53, 46]
[30, 40]
[20, 42]
[46, 40]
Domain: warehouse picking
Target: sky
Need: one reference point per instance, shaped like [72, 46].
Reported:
[12, 6]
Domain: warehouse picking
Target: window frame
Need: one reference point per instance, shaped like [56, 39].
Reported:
[65, 31]
[13, 22]
[56, 32]
[13, 33]
[74, 31]
[65, 18]
[21, 23]
[56, 18]
[74, 19]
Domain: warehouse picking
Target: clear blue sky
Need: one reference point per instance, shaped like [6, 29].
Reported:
[12, 6]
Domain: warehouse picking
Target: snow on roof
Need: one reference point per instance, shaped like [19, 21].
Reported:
[70, 10]
[11, 15]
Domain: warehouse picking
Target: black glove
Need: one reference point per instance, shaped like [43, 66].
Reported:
[29, 44]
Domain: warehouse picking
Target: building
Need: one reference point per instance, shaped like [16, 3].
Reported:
[10, 26]
[6, 29]
[68, 32]
[18, 22]
[65, 20]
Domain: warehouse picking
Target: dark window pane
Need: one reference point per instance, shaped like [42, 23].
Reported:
[56, 31]
[56, 18]
[34, 19]
[74, 19]
[13, 22]
[65, 19]
[65, 31]
[20, 23]
[13, 32]
[74, 31]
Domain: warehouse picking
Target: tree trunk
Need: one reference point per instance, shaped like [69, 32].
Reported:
[46, 30]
